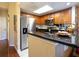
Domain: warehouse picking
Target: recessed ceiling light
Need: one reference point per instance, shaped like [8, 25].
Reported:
[68, 3]
[43, 9]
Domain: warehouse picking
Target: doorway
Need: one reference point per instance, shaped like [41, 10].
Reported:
[3, 34]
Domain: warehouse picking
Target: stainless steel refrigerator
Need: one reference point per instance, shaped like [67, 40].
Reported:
[27, 25]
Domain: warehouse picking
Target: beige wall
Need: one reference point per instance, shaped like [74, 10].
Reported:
[3, 13]
[4, 5]
[14, 9]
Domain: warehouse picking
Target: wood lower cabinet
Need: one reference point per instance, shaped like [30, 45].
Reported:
[39, 47]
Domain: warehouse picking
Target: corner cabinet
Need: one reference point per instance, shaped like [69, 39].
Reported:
[39, 47]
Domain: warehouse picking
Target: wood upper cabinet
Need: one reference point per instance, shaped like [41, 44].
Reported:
[57, 18]
[43, 18]
[38, 20]
[67, 16]
[63, 17]
[77, 13]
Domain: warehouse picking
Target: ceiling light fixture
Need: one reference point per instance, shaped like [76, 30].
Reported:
[43, 9]
[68, 3]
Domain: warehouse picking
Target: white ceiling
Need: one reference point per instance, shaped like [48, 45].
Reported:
[29, 7]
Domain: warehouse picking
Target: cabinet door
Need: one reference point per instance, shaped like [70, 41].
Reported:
[43, 18]
[38, 20]
[39, 47]
[77, 22]
[58, 18]
[77, 25]
[62, 17]
[67, 16]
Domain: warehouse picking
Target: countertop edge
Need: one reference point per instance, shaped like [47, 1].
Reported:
[64, 43]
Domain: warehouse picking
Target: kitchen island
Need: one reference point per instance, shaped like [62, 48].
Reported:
[69, 41]
[45, 44]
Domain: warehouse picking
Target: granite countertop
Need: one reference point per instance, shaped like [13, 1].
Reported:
[69, 41]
